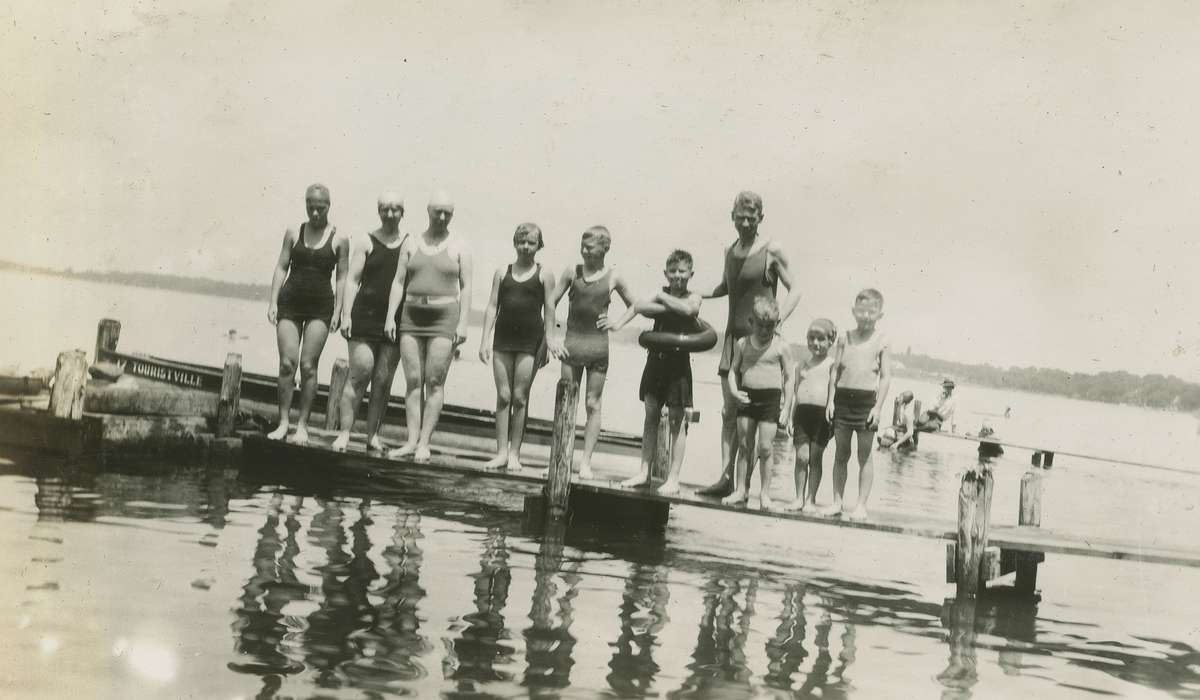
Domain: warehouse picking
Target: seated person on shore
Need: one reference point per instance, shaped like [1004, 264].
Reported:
[760, 381]
[941, 414]
[667, 378]
[900, 434]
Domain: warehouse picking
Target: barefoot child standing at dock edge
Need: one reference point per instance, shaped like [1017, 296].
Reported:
[811, 430]
[667, 378]
[858, 386]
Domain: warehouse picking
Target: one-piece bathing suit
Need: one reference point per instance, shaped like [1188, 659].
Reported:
[587, 345]
[430, 276]
[519, 321]
[370, 305]
[307, 295]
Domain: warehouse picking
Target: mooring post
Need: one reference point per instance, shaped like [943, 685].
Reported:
[974, 514]
[70, 377]
[1047, 460]
[108, 332]
[337, 384]
[661, 466]
[562, 447]
[231, 395]
[1031, 515]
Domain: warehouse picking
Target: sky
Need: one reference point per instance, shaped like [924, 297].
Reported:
[1019, 180]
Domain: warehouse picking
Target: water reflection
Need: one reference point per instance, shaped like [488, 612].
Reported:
[643, 615]
[483, 641]
[548, 641]
[719, 658]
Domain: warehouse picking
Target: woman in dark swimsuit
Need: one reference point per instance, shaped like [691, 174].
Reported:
[519, 304]
[373, 356]
[304, 306]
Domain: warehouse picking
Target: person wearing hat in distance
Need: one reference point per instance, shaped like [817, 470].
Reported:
[942, 414]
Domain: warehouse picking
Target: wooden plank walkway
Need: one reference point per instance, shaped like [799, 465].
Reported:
[469, 462]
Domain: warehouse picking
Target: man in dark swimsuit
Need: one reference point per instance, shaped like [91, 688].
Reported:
[752, 268]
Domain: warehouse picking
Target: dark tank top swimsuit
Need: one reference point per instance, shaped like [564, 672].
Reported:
[307, 295]
[370, 305]
[746, 279]
[587, 345]
[519, 324]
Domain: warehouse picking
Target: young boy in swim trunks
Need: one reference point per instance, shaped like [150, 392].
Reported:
[858, 386]
[760, 380]
[811, 430]
[667, 378]
[585, 347]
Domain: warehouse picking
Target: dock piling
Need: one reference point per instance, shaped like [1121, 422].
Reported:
[70, 377]
[108, 332]
[337, 383]
[661, 466]
[1026, 564]
[562, 447]
[974, 514]
[230, 396]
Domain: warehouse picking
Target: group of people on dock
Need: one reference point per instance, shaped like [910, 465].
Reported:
[401, 299]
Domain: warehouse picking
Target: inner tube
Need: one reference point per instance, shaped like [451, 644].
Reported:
[699, 340]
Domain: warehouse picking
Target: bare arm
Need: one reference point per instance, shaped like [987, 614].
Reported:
[735, 371]
[686, 306]
[885, 382]
[784, 273]
[489, 317]
[835, 372]
[280, 274]
[396, 293]
[554, 344]
[466, 284]
[342, 245]
[722, 288]
[357, 257]
[789, 385]
[621, 287]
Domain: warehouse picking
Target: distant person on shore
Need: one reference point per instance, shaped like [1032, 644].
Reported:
[760, 381]
[373, 356]
[942, 413]
[667, 376]
[517, 310]
[589, 287]
[431, 294]
[754, 265]
[811, 430]
[305, 306]
[858, 386]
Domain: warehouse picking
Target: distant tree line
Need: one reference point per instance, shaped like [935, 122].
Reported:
[195, 285]
[1150, 391]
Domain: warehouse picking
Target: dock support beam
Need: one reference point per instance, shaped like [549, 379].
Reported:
[108, 332]
[1031, 515]
[974, 514]
[562, 447]
[231, 395]
[70, 377]
[660, 467]
[337, 384]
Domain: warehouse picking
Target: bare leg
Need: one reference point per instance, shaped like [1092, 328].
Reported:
[816, 455]
[412, 360]
[675, 419]
[287, 333]
[502, 370]
[803, 453]
[841, 461]
[866, 472]
[315, 334]
[362, 362]
[766, 440]
[649, 443]
[438, 355]
[383, 371]
[591, 431]
[524, 369]
[746, 431]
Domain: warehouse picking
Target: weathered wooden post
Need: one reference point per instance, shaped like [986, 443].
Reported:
[974, 514]
[660, 467]
[231, 395]
[562, 447]
[70, 377]
[1047, 460]
[108, 332]
[1031, 515]
[337, 384]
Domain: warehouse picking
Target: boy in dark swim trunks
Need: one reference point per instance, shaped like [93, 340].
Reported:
[585, 346]
[858, 385]
[760, 380]
[667, 378]
[811, 431]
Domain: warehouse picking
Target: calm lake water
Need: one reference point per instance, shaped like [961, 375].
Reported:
[161, 580]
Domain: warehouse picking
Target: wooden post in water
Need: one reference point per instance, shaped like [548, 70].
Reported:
[337, 384]
[562, 446]
[70, 377]
[231, 395]
[1031, 515]
[661, 466]
[108, 332]
[974, 513]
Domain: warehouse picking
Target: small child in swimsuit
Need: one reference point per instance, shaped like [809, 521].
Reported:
[760, 380]
[858, 385]
[811, 431]
[667, 378]
[517, 310]
[585, 347]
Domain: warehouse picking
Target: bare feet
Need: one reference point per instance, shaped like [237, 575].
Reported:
[639, 479]
[859, 513]
[405, 450]
[300, 437]
[497, 462]
[376, 444]
[669, 488]
[797, 505]
[422, 454]
[737, 498]
[278, 433]
[514, 464]
[832, 510]
[340, 443]
[585, 471]
[765, 502]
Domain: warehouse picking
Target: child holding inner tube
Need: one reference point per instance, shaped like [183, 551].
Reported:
[858, 385]
[760, 380]
[811, 430]
[667, 377]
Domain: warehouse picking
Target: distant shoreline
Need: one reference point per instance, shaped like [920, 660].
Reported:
[1150, 391]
